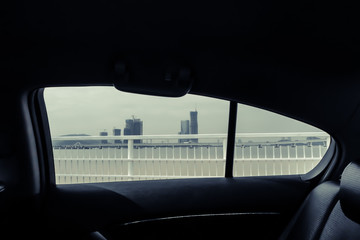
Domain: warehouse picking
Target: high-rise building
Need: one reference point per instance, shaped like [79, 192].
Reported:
[184, 129]
[128, 127]
[138, 127]
[104, 134]
[190, 127]
[117, 132]
[133, 127]
[194, 124]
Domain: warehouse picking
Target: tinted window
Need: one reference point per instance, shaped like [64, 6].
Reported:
[101, 134]
[271, 144]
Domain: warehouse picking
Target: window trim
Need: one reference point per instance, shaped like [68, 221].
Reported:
[324, 166]
[43, 138]
[230, 148]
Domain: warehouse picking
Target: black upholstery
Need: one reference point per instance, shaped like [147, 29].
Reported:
[312, 215]
[339, 227]
[350, 191]
[331, 211]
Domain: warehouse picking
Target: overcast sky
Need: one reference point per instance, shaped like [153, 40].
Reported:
[89, 110]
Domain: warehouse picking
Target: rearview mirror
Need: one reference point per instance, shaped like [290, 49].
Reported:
[159, 78]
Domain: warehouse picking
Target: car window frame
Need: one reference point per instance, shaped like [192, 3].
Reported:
[41, 124]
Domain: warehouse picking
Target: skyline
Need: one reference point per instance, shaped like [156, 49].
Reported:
[90, 110]
[134, 126]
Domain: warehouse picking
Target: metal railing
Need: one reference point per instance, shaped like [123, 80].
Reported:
[124, 158]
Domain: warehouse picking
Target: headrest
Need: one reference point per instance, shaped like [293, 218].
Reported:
[350, 191]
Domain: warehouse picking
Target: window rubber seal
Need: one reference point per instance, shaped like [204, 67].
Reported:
[43, 138]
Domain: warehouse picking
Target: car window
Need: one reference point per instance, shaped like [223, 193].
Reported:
[100, 134]
[271, 144]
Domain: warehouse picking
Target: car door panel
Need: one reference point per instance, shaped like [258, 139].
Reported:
[149, 207]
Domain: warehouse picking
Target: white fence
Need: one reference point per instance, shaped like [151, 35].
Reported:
[123, 158]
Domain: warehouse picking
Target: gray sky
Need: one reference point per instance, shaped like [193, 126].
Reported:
[90, 110]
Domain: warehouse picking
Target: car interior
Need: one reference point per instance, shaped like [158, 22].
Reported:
[299, 59]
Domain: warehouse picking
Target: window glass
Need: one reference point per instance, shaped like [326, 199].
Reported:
[101, 134]
[270, 144]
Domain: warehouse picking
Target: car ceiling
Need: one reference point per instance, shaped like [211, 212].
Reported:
[298, 58]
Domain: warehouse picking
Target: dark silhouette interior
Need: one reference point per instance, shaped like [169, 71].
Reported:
[296, 58]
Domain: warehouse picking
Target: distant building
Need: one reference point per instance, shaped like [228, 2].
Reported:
[117, 132]
[184, 129]
[128, 127]
[194, 124]
[138, 127]
[104, 134]
[133, 127]
[190, 127]
[63, 143]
